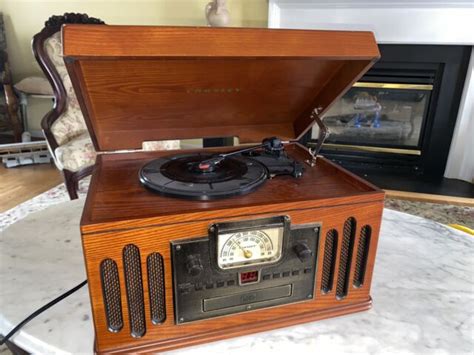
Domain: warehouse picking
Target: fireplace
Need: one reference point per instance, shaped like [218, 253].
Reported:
[431, 35]
[399, 118]
[380, 116]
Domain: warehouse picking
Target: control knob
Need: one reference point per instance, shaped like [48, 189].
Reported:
[193, 265]
[302, 251]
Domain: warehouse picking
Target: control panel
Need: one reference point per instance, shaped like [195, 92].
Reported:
[242, 266]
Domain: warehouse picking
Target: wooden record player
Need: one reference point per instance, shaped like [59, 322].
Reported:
[298, 245]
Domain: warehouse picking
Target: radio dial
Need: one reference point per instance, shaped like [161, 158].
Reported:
[193, 264]
[302, 251]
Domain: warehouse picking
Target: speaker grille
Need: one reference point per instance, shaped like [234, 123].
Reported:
[134, 288]
[111, 293]
[329, 261]
[156, 287]
[345, 258]
[362, 255]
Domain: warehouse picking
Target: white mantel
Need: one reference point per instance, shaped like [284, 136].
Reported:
[399, 22]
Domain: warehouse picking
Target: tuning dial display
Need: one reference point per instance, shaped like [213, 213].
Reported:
[249, 247]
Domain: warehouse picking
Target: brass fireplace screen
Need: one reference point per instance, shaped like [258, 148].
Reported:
[379, 117]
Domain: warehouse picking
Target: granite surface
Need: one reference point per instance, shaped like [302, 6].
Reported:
[441, 213]
[423, 291]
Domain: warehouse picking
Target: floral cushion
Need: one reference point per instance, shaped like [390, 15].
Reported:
[76, 154]
[79, 152]
[71, 123]
[161, 145]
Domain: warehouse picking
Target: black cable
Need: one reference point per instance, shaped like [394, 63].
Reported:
[41, 310]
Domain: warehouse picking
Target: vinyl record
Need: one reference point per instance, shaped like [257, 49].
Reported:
[182, 176]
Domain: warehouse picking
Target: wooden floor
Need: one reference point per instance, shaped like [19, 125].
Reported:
[441, 199]
[22, 183]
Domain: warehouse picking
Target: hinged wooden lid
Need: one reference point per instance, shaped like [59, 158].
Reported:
[142, 83]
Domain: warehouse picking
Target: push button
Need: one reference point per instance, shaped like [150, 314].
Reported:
[230, 283]
[209, 285]
[295, 272]
[185, 288]
[220, 284]
[286, 273]
[276, 275]
[266, 276]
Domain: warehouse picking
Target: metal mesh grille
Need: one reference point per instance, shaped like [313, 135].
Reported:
[134, 288]
[156, 287]
[345, 259]
[362, 255]
[111, 293]
[329, 261]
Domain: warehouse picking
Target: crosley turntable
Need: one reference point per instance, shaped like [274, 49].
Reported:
[188, 247]
[211, 176]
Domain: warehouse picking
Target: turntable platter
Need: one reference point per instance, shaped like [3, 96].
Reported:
[185, 176]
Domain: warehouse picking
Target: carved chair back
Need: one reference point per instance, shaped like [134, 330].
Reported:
[65, 120]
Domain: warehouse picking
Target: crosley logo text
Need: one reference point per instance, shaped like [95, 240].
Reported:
[213, 91]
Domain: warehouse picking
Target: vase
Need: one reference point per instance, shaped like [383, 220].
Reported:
[217, 14]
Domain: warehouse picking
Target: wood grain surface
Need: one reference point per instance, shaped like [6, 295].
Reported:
[83, 41]
[431, 198]
[182, 83]
[117, 200]
[168, 335]
[22, 183]
[119, 212]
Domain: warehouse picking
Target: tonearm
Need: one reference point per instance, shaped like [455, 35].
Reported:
[274, 146]
[323, 134]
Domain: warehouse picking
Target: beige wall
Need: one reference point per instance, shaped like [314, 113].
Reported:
[24, 18]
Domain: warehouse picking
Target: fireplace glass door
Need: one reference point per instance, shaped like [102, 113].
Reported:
[383, 115]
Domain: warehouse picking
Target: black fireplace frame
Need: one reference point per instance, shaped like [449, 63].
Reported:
[445, 66]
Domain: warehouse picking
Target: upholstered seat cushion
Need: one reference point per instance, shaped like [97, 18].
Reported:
[78, 153]
[34, 85]
[161, 145]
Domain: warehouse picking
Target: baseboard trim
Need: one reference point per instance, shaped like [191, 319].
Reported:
[422, 197]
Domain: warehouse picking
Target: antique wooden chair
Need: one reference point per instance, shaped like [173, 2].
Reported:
[64, 126]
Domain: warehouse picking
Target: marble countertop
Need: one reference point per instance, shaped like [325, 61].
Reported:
[423, 293]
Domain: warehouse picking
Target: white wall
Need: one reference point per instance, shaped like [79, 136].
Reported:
[461, 156]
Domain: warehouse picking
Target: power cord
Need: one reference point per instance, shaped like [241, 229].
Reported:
[41, 310]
